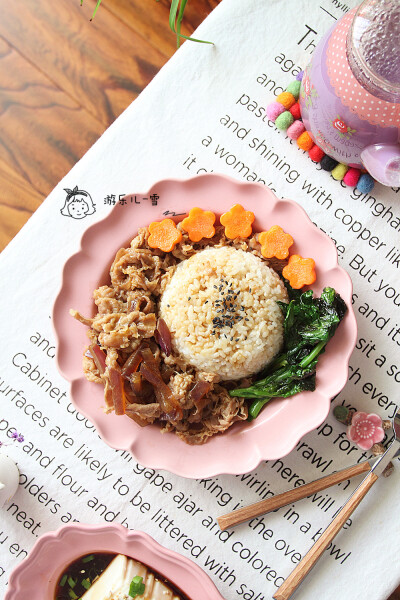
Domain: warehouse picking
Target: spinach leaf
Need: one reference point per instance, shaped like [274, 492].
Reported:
[308, 325]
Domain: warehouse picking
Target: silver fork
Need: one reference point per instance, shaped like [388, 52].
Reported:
[289, 586]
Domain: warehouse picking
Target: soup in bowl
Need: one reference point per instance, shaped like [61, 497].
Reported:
[107, 562]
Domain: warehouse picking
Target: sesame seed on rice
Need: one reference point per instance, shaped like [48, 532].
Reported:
[216, 338]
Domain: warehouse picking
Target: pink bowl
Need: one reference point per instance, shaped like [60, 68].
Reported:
[37, 575]
[283, 421]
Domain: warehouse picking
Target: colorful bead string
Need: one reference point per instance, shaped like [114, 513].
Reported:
[285, 113]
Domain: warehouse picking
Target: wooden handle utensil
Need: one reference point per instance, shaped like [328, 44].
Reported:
[306, 564]
[259, 508]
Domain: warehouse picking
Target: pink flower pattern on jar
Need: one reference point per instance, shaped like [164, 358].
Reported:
[365, 430]
[307, 90]
[339, 125]
[344, 131]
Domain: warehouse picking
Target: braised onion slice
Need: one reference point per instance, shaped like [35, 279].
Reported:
[132, 363]
[117, 389]
[163, 336]
[170, 407]
[198, 394]
[99, 357]
[140, 387]
[135, 417]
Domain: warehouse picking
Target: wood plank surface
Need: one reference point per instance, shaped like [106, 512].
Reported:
[102, 64]
[43, 131]
[64, 79]
[18, 202]
[153, 24]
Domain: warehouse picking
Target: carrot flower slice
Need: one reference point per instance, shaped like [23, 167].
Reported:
[237, 222]
[164, 235]
[199, 224]
[275, 242]
[299, 271]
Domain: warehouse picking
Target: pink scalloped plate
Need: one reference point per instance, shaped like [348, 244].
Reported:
[283, 421]
[37, 575]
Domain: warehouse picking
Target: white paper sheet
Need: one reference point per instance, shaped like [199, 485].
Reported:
[174, 129]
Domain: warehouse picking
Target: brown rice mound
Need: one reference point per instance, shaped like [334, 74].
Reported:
[220, 307]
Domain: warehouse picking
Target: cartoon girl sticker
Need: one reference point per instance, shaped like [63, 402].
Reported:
[78, 204]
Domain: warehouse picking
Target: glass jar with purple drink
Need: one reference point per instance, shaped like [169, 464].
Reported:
[350, 92]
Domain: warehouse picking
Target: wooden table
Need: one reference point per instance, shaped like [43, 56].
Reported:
[63, 81]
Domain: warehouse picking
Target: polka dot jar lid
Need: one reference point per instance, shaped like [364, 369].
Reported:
[352, 94]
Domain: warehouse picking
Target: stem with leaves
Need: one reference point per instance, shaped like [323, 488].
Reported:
[175, 20]
[308, 326]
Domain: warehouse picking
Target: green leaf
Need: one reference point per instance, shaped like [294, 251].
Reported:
[175, 20]
[71, 582]
[304, 385]
[86, 583]
[96, 9]
[279, 384]
[137, 587]
[88, 558]
[179, 20]
[309, 323]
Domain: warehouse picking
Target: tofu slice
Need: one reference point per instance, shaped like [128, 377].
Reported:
[114, 582]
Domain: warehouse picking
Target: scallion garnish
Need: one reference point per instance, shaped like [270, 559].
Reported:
[63, 580]
[88, 558]
[86, 583]
[71, 582]
[137, 587]
[72, 594]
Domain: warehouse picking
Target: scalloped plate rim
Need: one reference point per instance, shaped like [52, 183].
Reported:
[166, 562]
[258, 453]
